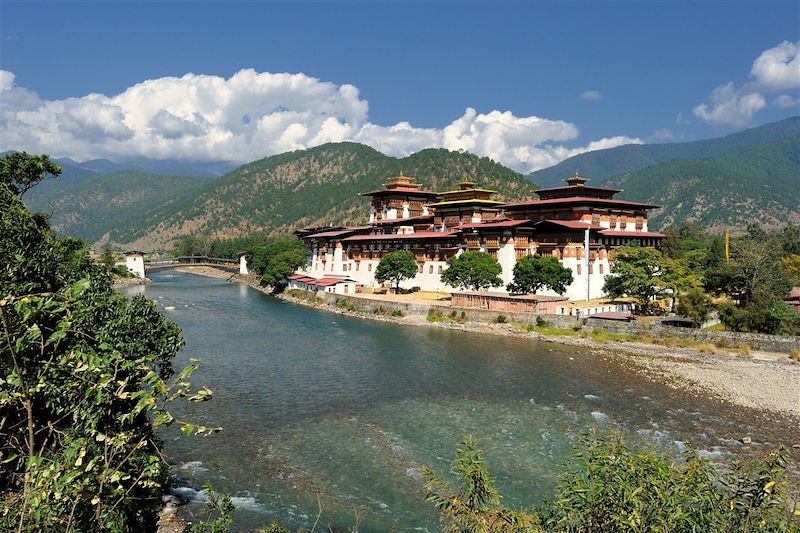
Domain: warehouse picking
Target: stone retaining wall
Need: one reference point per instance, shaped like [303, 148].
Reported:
[756, 341]
[420, 309]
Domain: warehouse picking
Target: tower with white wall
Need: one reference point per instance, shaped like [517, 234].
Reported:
[134, 262]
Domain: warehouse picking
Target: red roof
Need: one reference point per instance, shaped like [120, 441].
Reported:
[418, 218]
[489, 225]
[327, 282]
[577, 200]
[571, 224]
[652, 234]
[338, 233]
[395, 236]
[410, 190]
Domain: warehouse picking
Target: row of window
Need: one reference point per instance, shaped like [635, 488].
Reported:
[591, 268]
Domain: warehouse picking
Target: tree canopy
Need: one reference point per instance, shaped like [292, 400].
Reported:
[21, 171]
[637, 272]
[276, 260]
[84, 384]
[535, 272]
[473, 270]
[396, 266]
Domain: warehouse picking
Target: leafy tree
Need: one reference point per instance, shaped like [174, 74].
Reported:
[696, 305]
[395, 267]
[791, 267]
[535, 272]
[21, 171]
[637, 272]
[191, 245]
[107, 258]
[277, 260]
[83, 387]
[473, 270]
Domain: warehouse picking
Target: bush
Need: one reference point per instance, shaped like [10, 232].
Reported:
[347, 305]
[612, 488]
[435, 315]
[501, 319]
[541, 322]
[397, 312]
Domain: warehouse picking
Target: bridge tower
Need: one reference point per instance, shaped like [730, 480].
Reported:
[134, 261]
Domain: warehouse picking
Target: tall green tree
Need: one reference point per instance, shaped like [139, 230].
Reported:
[84, 384]
[535, 272]
[637, 273]
[696, 305]
[395, 267]
[21, 171]
[473, 270]
[277, 260]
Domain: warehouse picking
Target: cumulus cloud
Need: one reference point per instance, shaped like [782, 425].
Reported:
[775, 69]
[590, 95]
[254, 114]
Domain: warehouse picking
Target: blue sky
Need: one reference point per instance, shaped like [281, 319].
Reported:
[643, 69]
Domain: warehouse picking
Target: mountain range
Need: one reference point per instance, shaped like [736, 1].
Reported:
[601, 165]
[750, 176]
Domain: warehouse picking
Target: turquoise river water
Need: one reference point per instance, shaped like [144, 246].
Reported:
[322, 408]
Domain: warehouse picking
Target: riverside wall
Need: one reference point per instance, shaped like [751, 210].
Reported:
[756, 341]
[419, 309]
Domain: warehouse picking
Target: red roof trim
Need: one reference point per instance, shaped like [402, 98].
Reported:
[577, 200]
[610, 233]
[406, 236]
[571, 224]
[402, 220]
[381, 192]
[490, 225]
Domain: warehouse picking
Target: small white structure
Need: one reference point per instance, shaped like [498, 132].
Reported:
[243, 265]
[134, 261]
[331, 284]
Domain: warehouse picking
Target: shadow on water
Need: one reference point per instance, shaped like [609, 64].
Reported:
[318, 403]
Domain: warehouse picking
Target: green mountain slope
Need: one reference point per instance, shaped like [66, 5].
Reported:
[99, 207]
[601, 165]
[313, 187]
[758, 183]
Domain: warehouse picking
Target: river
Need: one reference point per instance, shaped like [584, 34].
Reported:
[322, 408]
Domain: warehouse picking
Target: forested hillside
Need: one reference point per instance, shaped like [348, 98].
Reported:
[313, 187]
[101, 207]
[758, 183]
[601, 165]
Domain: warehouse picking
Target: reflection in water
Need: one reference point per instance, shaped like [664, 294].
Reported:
[316, 403]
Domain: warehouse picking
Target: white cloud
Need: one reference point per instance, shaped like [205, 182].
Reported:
[786, 101]
[729, 106]
[590, 95]
[775, 69]
[251, 115]
[778, 68]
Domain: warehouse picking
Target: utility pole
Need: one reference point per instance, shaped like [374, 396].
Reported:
[586, 256]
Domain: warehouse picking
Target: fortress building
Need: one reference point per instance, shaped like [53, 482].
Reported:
[577, 223]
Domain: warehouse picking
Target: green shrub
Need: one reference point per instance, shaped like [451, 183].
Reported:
[540, 321]
[501, 319]
[435, 315]
[612, 488]
[397, 312]
[347, 305]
